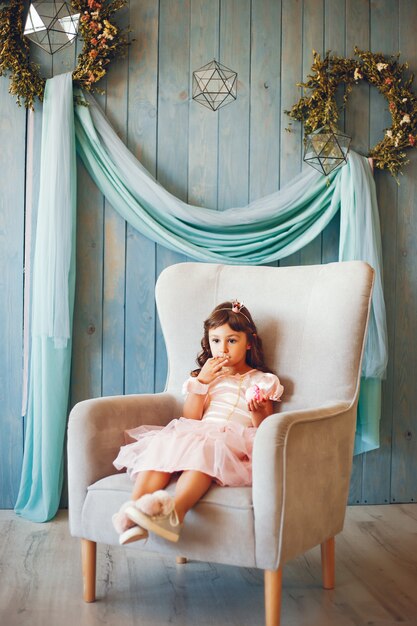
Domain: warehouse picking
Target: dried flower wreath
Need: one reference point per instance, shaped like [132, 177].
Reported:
[319, 108]
[103, 42]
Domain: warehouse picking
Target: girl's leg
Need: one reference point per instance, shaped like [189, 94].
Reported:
[148, 482]
[190, 487]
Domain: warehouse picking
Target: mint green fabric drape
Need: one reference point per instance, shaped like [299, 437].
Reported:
[52, 307]
[263, 231]
[245, 235]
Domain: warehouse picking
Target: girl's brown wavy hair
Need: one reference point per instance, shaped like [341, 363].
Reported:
[240, 322]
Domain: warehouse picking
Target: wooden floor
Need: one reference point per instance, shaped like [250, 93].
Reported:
[376, 568]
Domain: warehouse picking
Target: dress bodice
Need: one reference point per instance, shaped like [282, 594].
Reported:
[226, 396]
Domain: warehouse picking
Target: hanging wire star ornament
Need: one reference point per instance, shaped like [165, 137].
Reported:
[214, 85]
[51, 25]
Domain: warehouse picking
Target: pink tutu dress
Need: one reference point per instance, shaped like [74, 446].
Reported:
[220, 444]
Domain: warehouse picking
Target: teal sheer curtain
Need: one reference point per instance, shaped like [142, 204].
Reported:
[52, 307]
[263, 231]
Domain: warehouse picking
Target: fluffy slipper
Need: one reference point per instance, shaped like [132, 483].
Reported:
[121, 521]
[156, 512]
[159, 503]
[136, 533]
[166, 526]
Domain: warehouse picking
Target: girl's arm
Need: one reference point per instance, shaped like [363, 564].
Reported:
[194, 406]
[194, 402]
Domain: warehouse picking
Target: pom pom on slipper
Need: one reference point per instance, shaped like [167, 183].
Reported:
[120, 520]
[156, 504]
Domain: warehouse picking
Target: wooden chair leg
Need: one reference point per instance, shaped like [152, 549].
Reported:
[88, 558]
[181, 560]
[273, 592]
[327, 563]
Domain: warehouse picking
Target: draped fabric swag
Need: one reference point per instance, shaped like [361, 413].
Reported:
[265, 230]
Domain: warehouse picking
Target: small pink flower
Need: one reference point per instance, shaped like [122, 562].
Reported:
[388, 81]
[412, 140]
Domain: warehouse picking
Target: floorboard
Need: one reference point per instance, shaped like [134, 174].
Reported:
[376, 580]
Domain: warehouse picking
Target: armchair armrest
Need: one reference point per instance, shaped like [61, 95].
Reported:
[96, 432]
[302, 462]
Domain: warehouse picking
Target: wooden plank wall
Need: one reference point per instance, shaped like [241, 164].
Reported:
[218, 160]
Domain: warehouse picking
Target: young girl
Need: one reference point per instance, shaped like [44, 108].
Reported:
[227, 398]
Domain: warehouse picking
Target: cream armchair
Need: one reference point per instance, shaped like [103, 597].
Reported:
[313, 321]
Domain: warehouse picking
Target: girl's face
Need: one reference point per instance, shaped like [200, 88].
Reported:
[224, 341]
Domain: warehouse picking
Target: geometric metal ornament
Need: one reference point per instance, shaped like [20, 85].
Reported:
[51, 24]
[326, 149]
[214, 85]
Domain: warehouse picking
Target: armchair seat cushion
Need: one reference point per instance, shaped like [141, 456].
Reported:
[223, 518]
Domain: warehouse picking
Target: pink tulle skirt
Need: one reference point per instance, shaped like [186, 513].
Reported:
[220, 449]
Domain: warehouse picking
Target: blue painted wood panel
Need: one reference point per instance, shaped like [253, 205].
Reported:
[233, 174]
[265, 98]
[313, 39]
[221, 159]
[140, 320]
[114, 246]
[203, 153]
[404, 394]
[173, 135]
[376, 474]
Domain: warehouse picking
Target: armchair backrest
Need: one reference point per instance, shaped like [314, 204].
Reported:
[309, 318]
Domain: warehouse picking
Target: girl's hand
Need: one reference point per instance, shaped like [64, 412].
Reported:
[260, 408]
[212, 369]
[260, 403]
